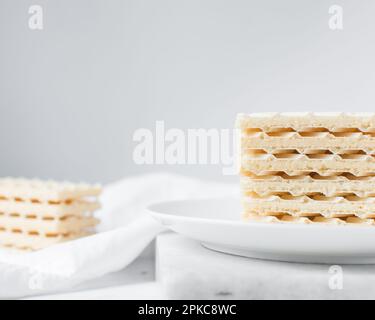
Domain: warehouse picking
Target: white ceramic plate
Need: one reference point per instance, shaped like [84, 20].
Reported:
[216, 223]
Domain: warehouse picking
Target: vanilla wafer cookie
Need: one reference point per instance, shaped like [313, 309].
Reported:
[35, 214]
[308, 220]
[299, 165]
[46, 190]
[308, 167]
[309, 183]
[320, 141]
[29, 241]
[299, 121]
[338, 205]
[305, 206]
[50, 210]
[71, 224]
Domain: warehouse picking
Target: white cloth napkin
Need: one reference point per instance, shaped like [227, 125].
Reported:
[123, 234]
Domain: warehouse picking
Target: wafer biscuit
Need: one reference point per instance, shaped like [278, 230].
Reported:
[298, 121]
[295, 141]
[67, 225]
[307, 153]
[308, 220]
[26, 241]
[46, 190]
[299, 164]
[308, 186]
[40, 209]
[35, 214]
[310, 208]
[308, 167]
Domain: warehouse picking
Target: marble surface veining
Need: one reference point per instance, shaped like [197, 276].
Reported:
[186, 270]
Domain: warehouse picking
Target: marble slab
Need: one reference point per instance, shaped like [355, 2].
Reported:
[186, 270]
[137, 281]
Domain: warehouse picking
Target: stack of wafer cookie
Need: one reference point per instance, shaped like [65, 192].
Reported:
[36, 214]
[308, 167]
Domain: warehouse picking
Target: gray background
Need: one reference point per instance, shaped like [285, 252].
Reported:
[72, 95]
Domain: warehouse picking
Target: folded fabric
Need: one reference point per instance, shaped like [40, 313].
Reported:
[124, 233]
